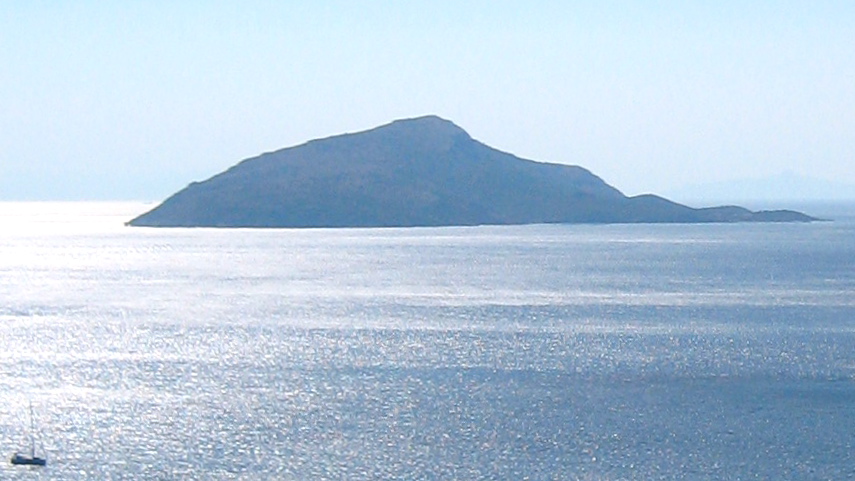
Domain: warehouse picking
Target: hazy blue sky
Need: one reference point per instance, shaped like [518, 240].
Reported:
[135, 99]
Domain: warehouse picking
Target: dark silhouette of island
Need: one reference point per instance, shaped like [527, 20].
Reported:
[425, 171]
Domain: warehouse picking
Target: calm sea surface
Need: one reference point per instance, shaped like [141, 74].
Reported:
[635, 352]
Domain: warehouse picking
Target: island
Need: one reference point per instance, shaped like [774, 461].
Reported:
[424, 171]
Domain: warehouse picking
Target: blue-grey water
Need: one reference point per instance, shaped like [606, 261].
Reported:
[635, 352]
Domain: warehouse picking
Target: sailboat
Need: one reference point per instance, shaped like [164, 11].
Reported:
[32, 459]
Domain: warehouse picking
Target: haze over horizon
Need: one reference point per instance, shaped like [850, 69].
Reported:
[119, 101]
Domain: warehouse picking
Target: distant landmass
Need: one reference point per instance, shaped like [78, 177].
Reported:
[424, 171]
[784, 187]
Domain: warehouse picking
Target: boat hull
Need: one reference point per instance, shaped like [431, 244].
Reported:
[28, 460]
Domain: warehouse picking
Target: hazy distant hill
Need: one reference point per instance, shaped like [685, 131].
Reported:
[784, 187]
[417, 172]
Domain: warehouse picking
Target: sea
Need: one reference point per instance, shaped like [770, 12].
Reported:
[540, 352]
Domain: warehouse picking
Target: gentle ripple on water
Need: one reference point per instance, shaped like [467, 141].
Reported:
[538, 352]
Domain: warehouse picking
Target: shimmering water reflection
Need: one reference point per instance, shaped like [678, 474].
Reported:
[539, 352]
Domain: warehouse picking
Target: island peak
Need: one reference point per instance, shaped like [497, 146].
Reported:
[422, 171]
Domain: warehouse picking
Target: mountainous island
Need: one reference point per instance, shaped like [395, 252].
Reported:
[425, 171]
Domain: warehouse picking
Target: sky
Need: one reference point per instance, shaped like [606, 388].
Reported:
[133, 100]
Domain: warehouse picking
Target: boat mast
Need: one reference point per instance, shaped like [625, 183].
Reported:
[32, 433]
